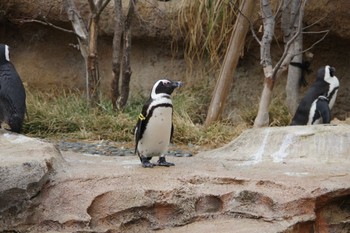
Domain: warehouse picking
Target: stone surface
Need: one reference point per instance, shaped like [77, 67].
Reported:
[291, 179]
[26, 165]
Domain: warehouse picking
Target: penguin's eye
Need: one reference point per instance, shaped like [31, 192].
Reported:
[166, 83]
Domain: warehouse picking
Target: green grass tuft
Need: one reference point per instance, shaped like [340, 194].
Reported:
[65, 115]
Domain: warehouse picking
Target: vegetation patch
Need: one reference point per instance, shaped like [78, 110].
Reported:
[65, 115]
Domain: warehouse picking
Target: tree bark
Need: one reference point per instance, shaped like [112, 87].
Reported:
[290, 25]
[293, 78]
[83, 37]
[262, 119]
[93, 70]
[87, 37]
[233, 52]
[125, 88]
[117, 50]
[271, 74]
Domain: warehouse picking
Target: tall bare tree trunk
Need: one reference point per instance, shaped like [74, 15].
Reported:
[290, 25]
[117, 50]
[87, 37]
[272, 73]
[83, 36]
[121, 50]
[233, 52]
[125, 88]
[262, 119]
[293, 78]
[93, 70]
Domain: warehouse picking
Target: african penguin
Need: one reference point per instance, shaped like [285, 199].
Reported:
[12, 93]
[319, 99]
[154, 128]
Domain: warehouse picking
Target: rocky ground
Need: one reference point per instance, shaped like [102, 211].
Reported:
[109, 148]
[285, 180]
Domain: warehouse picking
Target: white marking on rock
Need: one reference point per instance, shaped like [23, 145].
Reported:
[257, 157]
[297, 174]
[17, 138]
[279, 155]
[91, 155]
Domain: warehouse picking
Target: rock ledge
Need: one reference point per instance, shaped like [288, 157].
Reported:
[290, 179]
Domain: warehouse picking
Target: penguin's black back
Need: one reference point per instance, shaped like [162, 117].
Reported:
[12, 95]
[319, 87]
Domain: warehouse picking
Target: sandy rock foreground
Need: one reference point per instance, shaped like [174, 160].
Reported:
[290, 179]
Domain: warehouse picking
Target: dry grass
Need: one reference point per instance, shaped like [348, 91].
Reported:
[65, 115]
[278, 112]
[206, 28]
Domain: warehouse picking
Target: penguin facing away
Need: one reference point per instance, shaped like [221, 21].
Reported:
[154, 128]
[319, 99]
[12, 93]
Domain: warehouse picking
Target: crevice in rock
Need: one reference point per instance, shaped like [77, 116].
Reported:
[333, 212]
[302, 227]
[208, 204]
[198, 180]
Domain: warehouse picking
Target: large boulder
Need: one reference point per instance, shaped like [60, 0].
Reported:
[26, 165]
[290, 179]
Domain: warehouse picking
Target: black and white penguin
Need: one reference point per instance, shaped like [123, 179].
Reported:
[12, 93]
[154, 128]
[319, 99]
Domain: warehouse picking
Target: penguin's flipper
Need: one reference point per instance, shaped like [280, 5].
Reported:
[137, 132]
[323, 109]
[163, 162]
[171, 133]
[140, 125]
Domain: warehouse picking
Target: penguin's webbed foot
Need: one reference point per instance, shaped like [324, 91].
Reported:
[146, 163]
[162, 162]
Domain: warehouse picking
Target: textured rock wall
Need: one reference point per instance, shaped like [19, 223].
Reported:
[46, 58]
[267, 180]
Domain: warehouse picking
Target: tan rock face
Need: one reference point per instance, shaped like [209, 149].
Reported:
[26, 165]
[291, 179]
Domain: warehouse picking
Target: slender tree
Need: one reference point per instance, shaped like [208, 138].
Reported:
[121, 54]
[233, 52]
[87, 34]
[272, 72]
[117, 50]
[289, 24]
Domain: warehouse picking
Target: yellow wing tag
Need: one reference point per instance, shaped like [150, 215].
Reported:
[141, 117]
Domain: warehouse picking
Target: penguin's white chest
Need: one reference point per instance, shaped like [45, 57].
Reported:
[156, 137]
[312, 113]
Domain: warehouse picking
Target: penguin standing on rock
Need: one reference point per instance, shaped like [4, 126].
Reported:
[12, 93]
[154, 129]
[319, 99]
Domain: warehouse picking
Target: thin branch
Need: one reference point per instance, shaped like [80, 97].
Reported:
[93, 7]
[279, 10]
[318, 32]
[44, 22]
[251, 26]
[76, 20]
[314, 44]
[317, 21]
[102, 7]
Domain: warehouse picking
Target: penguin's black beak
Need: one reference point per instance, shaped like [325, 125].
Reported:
[177, 84]
[331, 71]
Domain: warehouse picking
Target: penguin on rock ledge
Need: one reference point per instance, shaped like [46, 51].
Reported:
[316, 106]
[154, 128]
